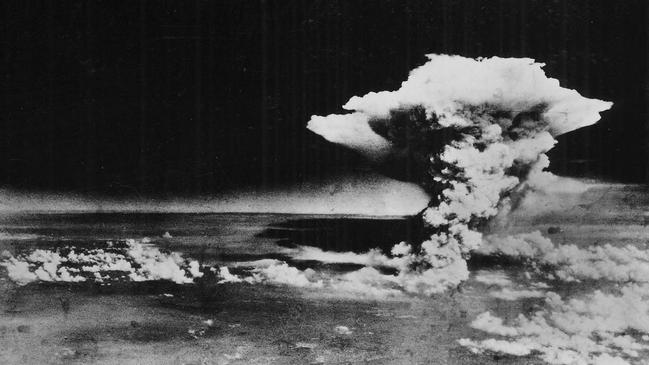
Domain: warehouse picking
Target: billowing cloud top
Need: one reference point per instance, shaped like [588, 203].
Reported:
[445, 85]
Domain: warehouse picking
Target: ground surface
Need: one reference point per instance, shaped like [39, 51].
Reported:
[239, 323]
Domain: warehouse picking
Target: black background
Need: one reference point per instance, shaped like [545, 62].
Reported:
[162, 97]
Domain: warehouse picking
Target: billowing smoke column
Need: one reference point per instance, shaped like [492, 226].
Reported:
[475, 133]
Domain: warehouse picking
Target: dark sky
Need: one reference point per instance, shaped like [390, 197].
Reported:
[165, 97]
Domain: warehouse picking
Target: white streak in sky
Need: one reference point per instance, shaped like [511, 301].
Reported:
[357, 194]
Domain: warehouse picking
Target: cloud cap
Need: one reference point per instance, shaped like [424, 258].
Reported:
[446, 85]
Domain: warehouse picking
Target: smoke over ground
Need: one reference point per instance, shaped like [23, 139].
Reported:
[134, 260]
[580, 298]
[477, 131]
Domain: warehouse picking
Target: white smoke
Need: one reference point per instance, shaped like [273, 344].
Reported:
[373, 257]
[607, 326]
[569, 262]
[445, 85]
[492, 278]
[135, 260]
[503, 114]
[600, 328]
